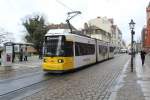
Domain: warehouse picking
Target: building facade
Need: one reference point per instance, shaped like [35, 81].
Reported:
[146, 31]
[143, 36]
[100, 28]
[104, 29]
[117, 37]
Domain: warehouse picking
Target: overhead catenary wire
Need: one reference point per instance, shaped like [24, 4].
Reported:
[71, 10]
[64, 5]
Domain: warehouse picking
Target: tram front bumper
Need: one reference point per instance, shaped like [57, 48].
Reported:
[52, 66]
[58, 63]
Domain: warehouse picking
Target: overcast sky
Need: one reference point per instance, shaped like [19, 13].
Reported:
[13, 12]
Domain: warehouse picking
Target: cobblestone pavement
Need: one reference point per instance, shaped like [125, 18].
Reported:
[92, 83]
[147, 59]
[20, 68]
[127, 87]
[143, 72]
[133, 85]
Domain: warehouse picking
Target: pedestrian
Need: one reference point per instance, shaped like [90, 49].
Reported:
[13, 58]
[21, 54]
[143, 53]
[26, 54]
[40, 53]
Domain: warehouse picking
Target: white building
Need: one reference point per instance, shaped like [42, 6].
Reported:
[102, 23]
[103, 29]
[117, 36]
[99, 28]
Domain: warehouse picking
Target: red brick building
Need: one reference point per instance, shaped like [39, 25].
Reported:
[146, 33]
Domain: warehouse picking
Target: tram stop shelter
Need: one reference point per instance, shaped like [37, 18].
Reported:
[28, 47]
[16, 49]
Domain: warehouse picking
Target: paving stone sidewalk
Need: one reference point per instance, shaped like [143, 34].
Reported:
[20, 68]
[147, 60]
[128, 86]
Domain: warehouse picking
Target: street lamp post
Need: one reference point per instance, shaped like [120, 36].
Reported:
[131, 25]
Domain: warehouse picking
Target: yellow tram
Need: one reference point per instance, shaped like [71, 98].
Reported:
[64, 51]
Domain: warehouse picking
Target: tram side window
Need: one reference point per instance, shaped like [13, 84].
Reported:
[100, 48]
[104, 49]
[84, 49]
[77, 49]
[68, 48]
[112, 49]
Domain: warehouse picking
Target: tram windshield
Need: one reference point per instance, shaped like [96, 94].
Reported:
[57, 46]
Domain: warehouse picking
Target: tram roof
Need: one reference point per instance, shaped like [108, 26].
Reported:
[19, 43]
[67, 32]
[57, 31]
[64, 32]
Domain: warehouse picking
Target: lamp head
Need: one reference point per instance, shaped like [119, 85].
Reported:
[132, 24]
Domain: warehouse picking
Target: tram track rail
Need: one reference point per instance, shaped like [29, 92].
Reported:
[19, 77]
[24, 91]
[17, 73]
[28, 88]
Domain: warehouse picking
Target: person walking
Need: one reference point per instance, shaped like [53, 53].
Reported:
[40, 53]
[21, 54]
[143, 53]
[26, 54]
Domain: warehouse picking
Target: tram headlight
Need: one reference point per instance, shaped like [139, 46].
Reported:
[44, 60]
[60, 60]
